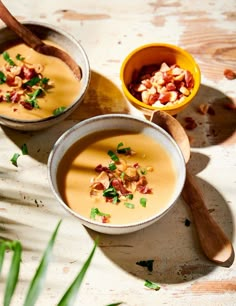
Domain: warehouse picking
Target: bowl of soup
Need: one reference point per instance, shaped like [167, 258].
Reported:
[160, 76]
[37, 90]
[116, 173]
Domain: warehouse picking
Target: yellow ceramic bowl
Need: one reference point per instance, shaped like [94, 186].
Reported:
[157, 53]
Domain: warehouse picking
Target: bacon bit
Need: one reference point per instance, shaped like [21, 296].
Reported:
[161, 85]
[230, 105]
[190, 123]
[119, 186]
[15, 97]
[28, 73]
[26, 105]
[229, 74]
[100, 168]
[105, 219]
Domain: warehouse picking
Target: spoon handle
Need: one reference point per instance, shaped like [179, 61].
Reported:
[30, 39]
[214, 242]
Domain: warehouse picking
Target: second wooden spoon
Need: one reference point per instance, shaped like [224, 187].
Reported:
[214, 242]
[35, 42]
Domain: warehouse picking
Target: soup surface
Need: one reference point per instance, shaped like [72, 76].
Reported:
[34, 86]
[116, 177]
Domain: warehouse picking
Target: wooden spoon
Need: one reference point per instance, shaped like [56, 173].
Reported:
[214, 242]
[36, 43]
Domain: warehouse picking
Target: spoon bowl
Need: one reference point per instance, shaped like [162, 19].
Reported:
[214, 242]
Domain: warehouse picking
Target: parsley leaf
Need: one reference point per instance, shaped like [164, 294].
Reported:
[7, 58]
[19, 57]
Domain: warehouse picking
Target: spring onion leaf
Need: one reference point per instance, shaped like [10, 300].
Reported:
[96, 212]
[143, 202]
[110, 192]
[15, 158]
[3, 78]
[112, 166]
[152, 285]
[8, 97]
[24, 149]
[13, 273]
[7, 58]
[115, 304]
[34, 81]
[113, 156]
[33, 97]
[130, 196]
[116, 200]
[69, 297]
[122, 150]
[2, 253]
[19, 57]
[59, 110]
[129, 205]
[40, 274]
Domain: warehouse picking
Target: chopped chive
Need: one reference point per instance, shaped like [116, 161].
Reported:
[152, 285]
[8, 97]
[143, 202]
[15, 158]
[3, 78]
[19, 57]
[35, 80]
[115, 200]
[59, 110]
[113, 156]
[129, 205]
[112, 166]
[130, 196]
[110, 192]
[143, 171]
[24, 149]
[96, 212]
[7, 58]
[122, 150]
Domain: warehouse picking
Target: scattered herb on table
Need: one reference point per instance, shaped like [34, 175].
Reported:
[152, 285]
[14, 159]
[24, 149]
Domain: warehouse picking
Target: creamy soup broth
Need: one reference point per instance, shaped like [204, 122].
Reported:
[64, 90]
[77, 169]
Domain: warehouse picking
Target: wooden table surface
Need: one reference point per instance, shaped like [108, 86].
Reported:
[108, 30]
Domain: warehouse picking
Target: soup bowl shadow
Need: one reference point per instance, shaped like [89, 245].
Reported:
[126, 123]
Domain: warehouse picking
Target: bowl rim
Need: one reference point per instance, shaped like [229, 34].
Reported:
[85, 220]
[168, 107]
[81, 93]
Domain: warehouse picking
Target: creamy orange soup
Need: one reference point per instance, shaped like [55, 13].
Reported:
[143, 178]
[22, 97]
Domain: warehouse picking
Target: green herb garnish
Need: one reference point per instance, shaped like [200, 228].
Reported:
[130, 196]
[152, 285]
[8, 97]
[33, 96]
[115, 200]
[7, 58]
[35, 80]
[112, 166]
[96, 212]
[3, 78]
[19, 57]
[59, 110]
[110, 192]
[129, 205]
[143, 202]
[120, 150]
[143, 171]
[113, 156]
[24, 149]
[15, 158]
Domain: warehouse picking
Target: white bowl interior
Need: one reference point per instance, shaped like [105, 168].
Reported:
[111, 122]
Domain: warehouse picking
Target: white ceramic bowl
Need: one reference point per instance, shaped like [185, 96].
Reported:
[106, 123]
[72, 47]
